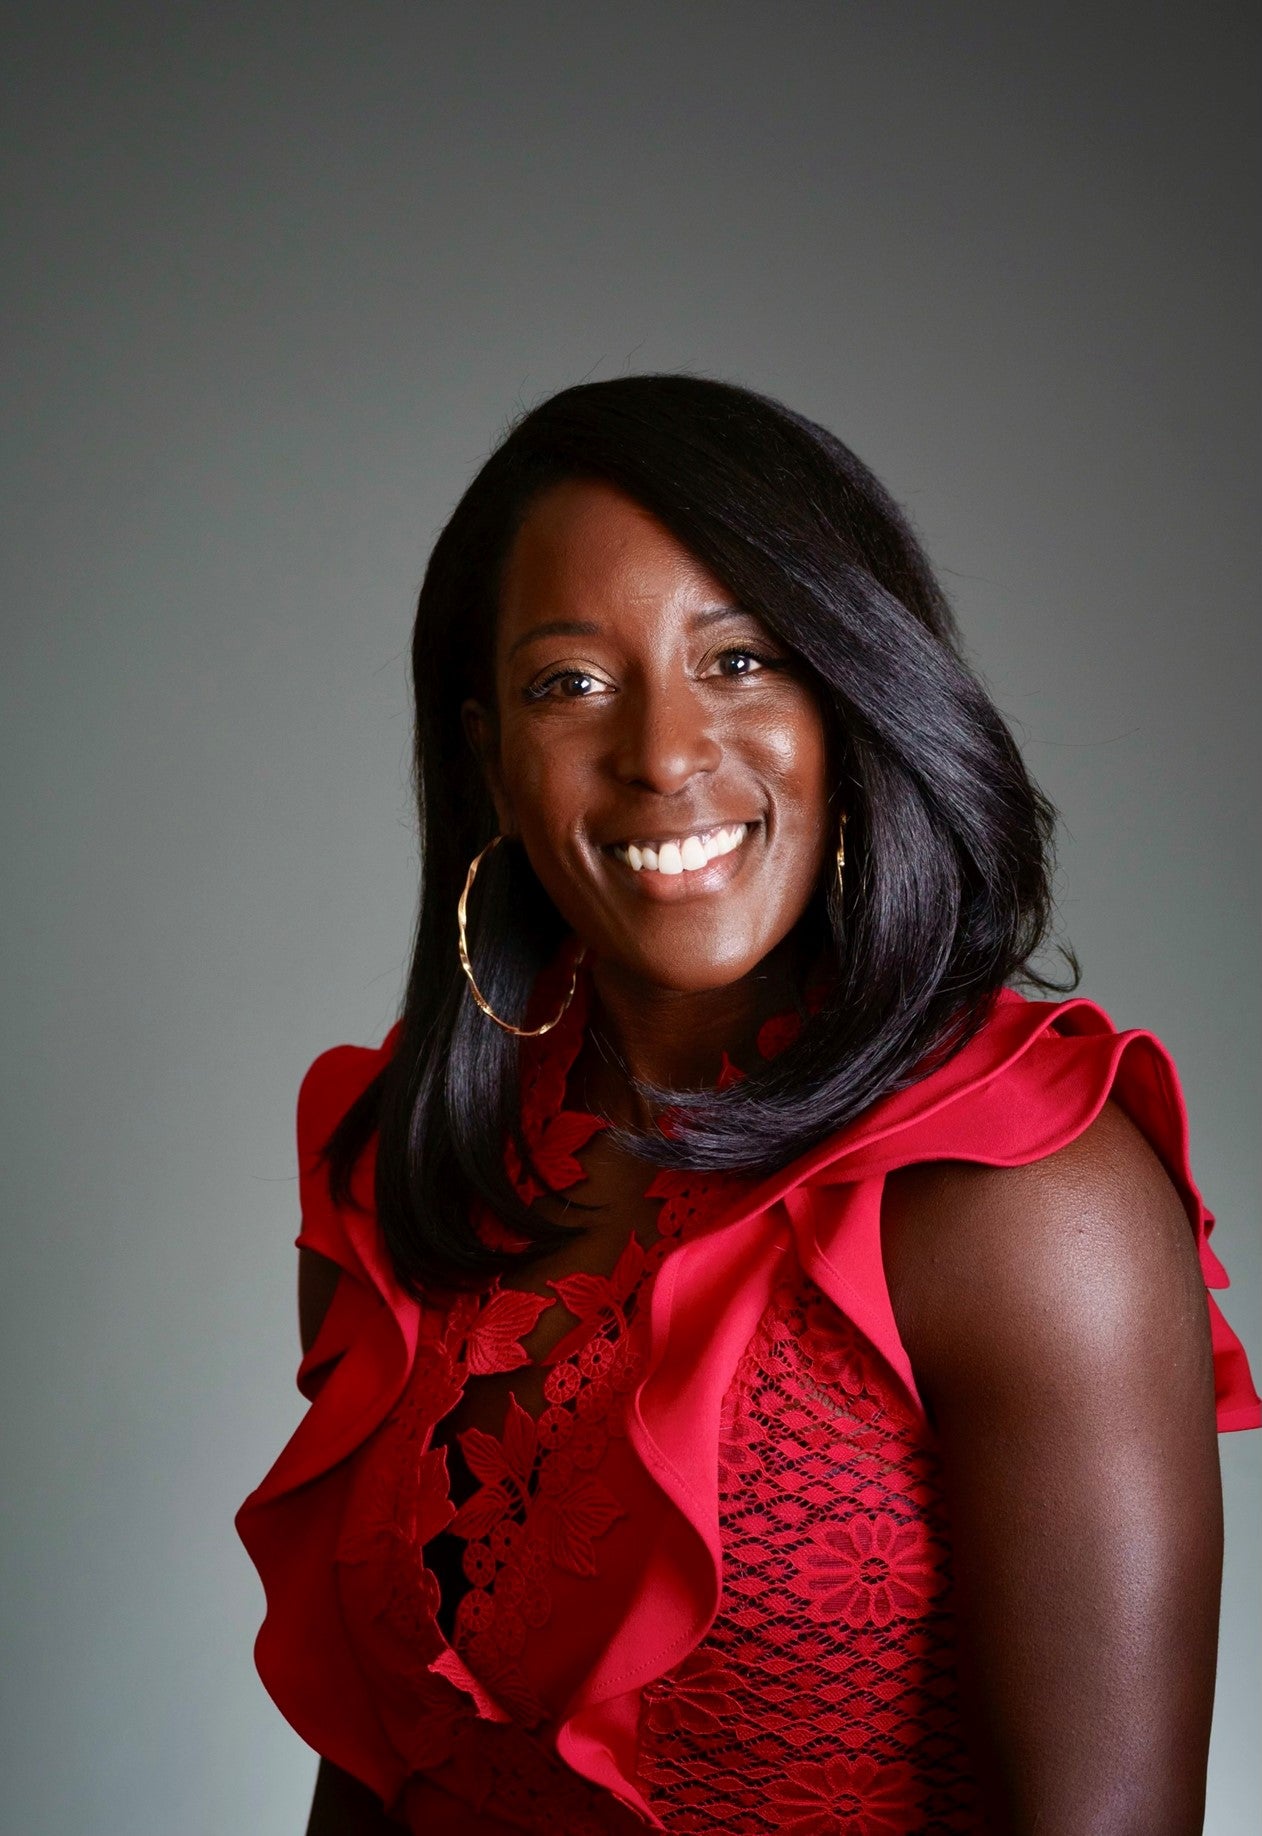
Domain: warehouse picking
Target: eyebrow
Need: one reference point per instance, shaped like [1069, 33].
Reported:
[580, 627]
[557, 627]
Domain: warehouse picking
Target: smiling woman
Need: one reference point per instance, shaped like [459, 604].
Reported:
[761, 1369]
[623, 741]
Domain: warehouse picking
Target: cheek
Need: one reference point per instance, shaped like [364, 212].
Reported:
[795, 757]
[546, 783]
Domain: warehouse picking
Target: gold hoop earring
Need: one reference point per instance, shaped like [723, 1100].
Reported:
[841, 857]
[518, 1032]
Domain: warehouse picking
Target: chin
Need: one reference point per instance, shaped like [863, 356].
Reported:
[690, 967]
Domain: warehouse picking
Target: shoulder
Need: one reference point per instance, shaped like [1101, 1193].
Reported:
[333, 1238]
[332, 1084]
[1104, 1180]
[1081, 1260]
[334, 1080]
[1054, 1315]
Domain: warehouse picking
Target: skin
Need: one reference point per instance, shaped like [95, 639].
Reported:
[1054, 1314]
[659, 710]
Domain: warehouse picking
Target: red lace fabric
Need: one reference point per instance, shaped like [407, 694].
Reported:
[823, 1690]
[823, 1697]
[700, 1582]
[474, 1562]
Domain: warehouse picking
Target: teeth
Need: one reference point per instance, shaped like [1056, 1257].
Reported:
[684, 856]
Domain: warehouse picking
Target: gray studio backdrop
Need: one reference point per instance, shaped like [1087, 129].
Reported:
[276, 277]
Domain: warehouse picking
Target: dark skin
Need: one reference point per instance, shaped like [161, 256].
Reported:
[1054, 1314]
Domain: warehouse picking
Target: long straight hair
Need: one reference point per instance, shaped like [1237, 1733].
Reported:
[949, 843]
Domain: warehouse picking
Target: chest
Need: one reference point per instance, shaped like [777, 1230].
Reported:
[624, 1217]
[527, 1543]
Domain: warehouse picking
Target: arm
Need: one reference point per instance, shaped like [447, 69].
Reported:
[1056, 1320]
[317, 1279]
[344, 1807]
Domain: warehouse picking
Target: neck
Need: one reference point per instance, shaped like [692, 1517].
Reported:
[640, 1033]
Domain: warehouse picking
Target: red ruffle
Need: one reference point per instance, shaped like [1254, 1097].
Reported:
[352, 1375]
[1030, 1082]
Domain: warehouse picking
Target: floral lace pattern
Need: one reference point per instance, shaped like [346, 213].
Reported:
[822, 1699]
[459, 1560]
[532, 1498]
[538, 1506]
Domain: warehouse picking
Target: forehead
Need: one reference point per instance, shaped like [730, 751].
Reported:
[585, 549]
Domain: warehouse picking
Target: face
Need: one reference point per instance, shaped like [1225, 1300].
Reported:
[658, 753]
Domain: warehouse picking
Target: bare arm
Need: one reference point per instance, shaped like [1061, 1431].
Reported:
[317, 1279]
[344, 1807]
[1055, 1317]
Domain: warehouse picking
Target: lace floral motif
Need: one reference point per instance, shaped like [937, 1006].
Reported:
[822, 1698]
[519, 1505]
[508, 1774]
[539, 1504]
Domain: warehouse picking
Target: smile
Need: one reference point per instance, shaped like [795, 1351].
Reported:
[681, 854]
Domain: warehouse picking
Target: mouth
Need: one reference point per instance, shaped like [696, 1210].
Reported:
[673, 856]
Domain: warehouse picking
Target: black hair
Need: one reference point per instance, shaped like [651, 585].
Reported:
[949, 842]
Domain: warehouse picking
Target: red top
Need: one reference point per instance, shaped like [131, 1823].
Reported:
[704, 1587]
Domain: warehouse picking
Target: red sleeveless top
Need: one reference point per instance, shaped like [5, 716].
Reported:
[706, 1588]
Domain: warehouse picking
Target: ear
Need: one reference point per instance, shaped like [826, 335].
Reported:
[483, 734]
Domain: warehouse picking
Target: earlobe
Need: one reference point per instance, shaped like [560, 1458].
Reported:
[482, 732]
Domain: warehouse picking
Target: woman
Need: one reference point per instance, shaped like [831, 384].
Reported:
[760, 1363]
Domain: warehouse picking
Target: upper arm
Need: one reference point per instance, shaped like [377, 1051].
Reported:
[1056, 1321]
[317, 1279]
[342, 1806]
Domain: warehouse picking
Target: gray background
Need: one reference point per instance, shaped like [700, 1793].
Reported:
[276, 277]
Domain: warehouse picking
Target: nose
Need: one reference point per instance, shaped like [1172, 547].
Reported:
[665, 738]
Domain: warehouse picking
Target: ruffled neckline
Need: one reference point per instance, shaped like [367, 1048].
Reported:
[556, 1131]
[551, 1461]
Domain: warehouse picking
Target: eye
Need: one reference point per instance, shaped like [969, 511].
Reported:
[742, 661]
[565, 685]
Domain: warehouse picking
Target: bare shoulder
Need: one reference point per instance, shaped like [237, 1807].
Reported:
[1086, 1254]
[1055, 1318]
